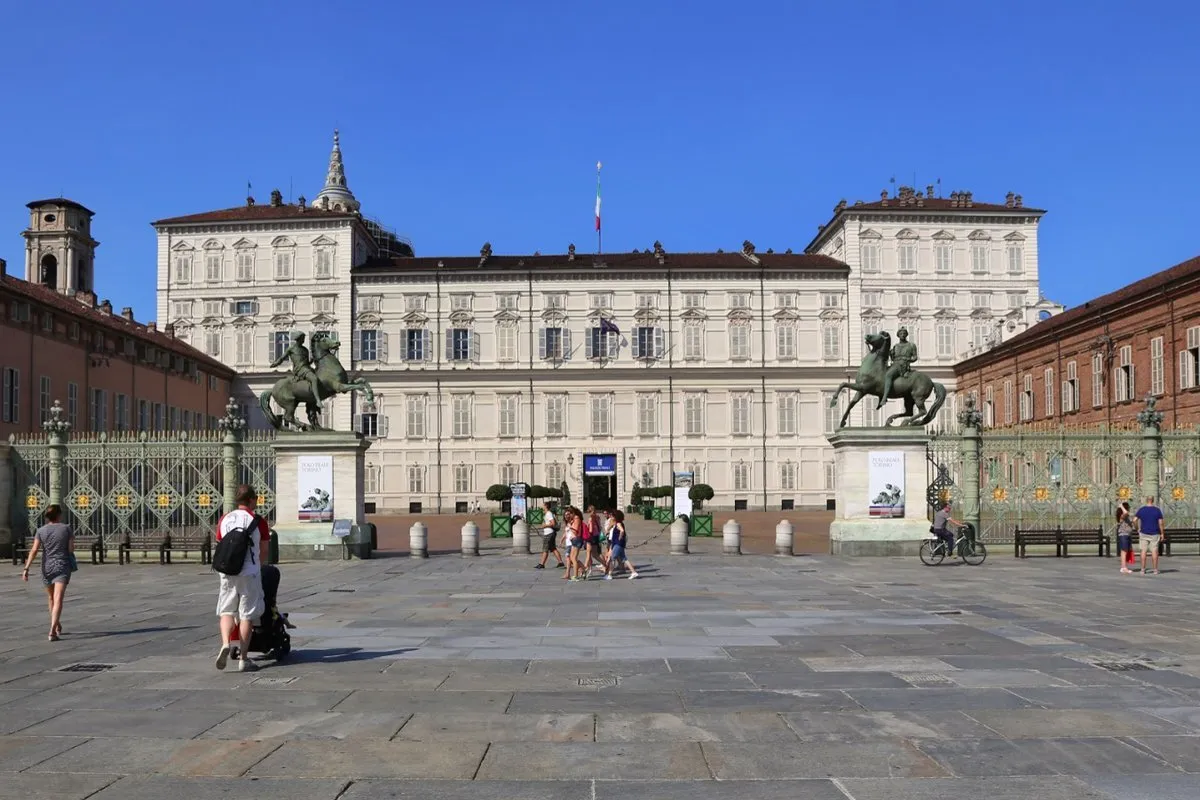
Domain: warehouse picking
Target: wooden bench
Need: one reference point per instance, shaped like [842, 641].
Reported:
[95, 546]
[1178, 536]
[1097, 538]
[1022, 539]
[198, 539]
[143, 540]
[20, 546]
[1062, 540]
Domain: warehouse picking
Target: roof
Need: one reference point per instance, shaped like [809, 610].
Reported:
[1097, 307]
[60, 201]
[256, 213]
[613, 261]
[909, 202]
[113, 322]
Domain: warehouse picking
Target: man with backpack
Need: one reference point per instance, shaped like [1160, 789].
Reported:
[242, 540]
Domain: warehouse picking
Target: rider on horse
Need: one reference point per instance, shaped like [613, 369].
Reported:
[302, 366]
[904, 353]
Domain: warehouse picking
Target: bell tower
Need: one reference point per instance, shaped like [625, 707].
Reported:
[60, 252]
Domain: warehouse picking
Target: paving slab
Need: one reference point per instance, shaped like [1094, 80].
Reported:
[182, 757]
[719, 790]
[498, 727]
[818, 759]
[629, 761]
[470, 790]
[22, 752]
[63, 786]
[159, 787]
[1018, 788]
[371, 759]
[760, 726]
[303, 724]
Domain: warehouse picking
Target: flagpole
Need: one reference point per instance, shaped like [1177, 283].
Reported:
[599, 232]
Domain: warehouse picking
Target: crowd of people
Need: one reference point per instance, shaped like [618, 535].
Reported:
[589, 542]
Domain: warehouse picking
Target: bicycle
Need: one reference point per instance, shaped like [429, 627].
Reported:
[970, 550]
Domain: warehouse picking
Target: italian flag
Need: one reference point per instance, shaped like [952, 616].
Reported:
[597, 195]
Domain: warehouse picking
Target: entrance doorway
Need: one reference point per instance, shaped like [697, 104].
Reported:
[600, 481]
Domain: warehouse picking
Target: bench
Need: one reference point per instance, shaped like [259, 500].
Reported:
[1178, 536]
[20, 546]
[141, 540]
[95, 546]
[1062, 540]
[197, 539]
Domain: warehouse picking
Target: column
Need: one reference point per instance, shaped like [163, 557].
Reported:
[233, 423]
[57, 429]
[972, 446]
[1151, 421]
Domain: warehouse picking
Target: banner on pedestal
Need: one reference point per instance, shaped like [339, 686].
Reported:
[314, 480]
[885, 484]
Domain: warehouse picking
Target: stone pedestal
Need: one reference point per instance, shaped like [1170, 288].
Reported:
[857, 529]
[308, 541]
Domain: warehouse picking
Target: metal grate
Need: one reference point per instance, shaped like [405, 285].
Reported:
[344, 591]
[924, 678]
[948, 613]
[1123, 666]
[598, 681]
[87, 668]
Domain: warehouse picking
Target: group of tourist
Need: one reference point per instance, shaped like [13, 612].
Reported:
[589, 542]
[1150, 525]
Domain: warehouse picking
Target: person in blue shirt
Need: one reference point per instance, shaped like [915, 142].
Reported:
[1151, 527]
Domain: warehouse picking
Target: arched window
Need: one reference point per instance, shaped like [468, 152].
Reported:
[49, 275]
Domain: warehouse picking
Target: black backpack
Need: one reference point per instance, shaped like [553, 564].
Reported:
[229, 556]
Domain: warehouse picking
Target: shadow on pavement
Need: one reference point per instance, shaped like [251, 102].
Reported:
[339, 655]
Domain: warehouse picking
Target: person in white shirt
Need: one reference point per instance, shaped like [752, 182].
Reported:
[549, 528]
[240, 597]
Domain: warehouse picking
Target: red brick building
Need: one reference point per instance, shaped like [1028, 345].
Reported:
[108, 371]
[1095, 363]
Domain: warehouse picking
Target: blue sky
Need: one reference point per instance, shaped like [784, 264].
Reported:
[465, 122]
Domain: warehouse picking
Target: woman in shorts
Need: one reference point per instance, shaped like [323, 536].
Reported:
[56, 543]
[573, 539]
[618, 538]
[1124, 537]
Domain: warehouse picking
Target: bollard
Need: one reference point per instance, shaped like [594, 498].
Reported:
[731, 535]
[784, 539]
[679, 537]
[418, 541]
[520, 538]
[470, 539]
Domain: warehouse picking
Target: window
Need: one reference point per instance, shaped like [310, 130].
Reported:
[647, 406]
[414, 406]
[462, 344]
[981, 300]
[556, 301]
[323, 305]
[174, 416]
[73, 404]
[414, 302]
[785, 299]
[830, 477]
[832, 411]
[739, 411]
[212, 342]
[945, 339]
[245, 308]
[1026, 398]
[44, 399]
[369, 303]
[944, 300]
[646, 300]
[601, 407]
[1070, 389]
[871, 300]
[870, 327]
[463, 412]
[460, 302]
[183, 267]
[1124, 385]
[280, 340]
[907, 256]
[785, 341]
[943, 258]
[908, 300]
[508, 302]
[1008, 402]
[416, 479]
[1097, 380]
[371, 479]
[739, 341]
[143, 419]
[693, 300]
[369, 345]
[741, 477]
[323, 262]
[831, 341]
[1189, 360]
[462, 478]
[1016, 301]
[831, 300]
[870, 256]
[739, 300]
[1016, 258]
[600, 300]
[282, 306]
[244, 346]
[602, 344]
[510, 410]
[1048, 380]
[212, 308]
[989, 408]
[121, 413]
[1156, 365]
[787, 476]
[693, 414]
[981, 334]
[98, 410]
[693, 341]
[212, 267]
[371, 424]
[181, 309]
[556, 414]
[245, 264]
[283, 265]
[509, 474]
[649, 343]
[979, 258]
[506, 342]
[648, 475]
[418, 344]
[788, 406]
[556, 474]
[554, 344]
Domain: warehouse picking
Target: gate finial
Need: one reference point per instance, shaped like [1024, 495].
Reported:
[1150, 417]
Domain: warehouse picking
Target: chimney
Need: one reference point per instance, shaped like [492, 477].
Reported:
[87, 298]
[1018, 202]
[967, 198]
[127, 313]
[151, 326]
[249, 201]
[1008, 200]
[169, 330]
[883, 198]
[105, 307]
[929, 190]
[300, 201]
[276, 197]
[3, 267]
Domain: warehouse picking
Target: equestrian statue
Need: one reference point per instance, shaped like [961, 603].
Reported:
[312, 380]
[886, 373]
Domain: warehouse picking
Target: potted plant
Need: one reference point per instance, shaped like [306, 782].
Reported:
[700, 524]
[501, 524]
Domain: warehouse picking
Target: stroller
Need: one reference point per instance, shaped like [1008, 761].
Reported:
[270, 635]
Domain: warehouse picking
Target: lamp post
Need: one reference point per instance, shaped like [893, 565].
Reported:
[233, 424]
[56, 429]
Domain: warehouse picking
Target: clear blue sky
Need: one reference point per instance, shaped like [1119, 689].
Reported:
[465, 122]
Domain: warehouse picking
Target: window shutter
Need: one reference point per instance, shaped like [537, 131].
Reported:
[356, 346]
[613, 342]
[542, 344]
[381, 346]
[426, 345]
[636, 343]
[1131, 389]
[358, 423]
[590, 344]
[475, 342]
[382, 425]
[660, 343]
[1117, 385]
[1066, 390]
[450, 344]
[566, 344]
[1185, 363]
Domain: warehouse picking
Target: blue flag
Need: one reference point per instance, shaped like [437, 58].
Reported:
[608, 326]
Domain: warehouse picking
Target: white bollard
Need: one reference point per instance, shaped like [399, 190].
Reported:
[520, 542]
[731, 535]
[784, 539]
[470, 539]
[679, 537]
[418, 541]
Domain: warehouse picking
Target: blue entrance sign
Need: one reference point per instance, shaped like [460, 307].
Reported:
[599, 465]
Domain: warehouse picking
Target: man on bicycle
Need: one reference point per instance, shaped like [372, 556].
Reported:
[940, 519]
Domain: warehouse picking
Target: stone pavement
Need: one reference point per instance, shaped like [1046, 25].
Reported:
[758, 678]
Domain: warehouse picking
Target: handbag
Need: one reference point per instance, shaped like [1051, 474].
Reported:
[74, 563]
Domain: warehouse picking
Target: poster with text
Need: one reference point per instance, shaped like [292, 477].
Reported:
[314, 479]
[885, 484]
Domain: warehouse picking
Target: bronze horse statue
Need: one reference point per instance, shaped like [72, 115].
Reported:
[914, 387]
[289, 392]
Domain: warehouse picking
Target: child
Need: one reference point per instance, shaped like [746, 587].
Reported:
[619, 539]
[1124, 537]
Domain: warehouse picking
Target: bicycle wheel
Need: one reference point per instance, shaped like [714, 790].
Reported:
[973, 553]
[931, 554]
